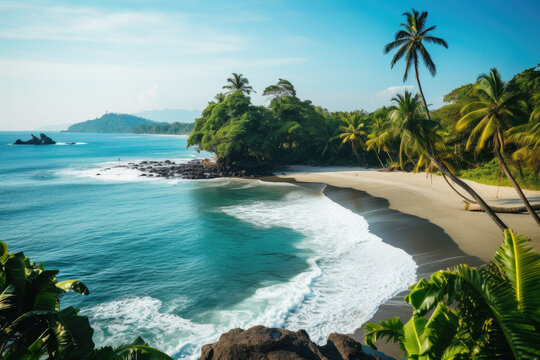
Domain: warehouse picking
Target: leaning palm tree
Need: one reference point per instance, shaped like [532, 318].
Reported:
[488, 118]
[411, 45]
[380, 138]
[419, 134]
[353, 131]
[238, 82]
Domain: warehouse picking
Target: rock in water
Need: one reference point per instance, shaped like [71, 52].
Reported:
[260, 342]
[44, 140]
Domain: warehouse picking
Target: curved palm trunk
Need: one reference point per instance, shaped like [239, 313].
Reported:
[387, 153]
[421, 92]
[378, 158]
[457, 192]
[471, 192]
[514, 183]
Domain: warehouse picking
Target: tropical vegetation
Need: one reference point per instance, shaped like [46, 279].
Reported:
[489, 312]
[34, 326]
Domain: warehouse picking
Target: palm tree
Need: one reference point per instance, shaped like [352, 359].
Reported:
[238, 82]
[220, 97]
[491, 312]
[380, 138]
[488, 118]
[527, 137]
[411, 45]
[353, 131]
[419, 134]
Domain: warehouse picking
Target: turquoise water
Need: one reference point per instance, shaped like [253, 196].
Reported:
[179, 262]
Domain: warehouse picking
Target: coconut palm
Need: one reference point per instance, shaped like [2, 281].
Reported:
[491, 312]
[527, 137]
[410, 42]
[238, 83]
[380, 138]
[220, 97]
[418, 135]
[488, 118]
[353, 131]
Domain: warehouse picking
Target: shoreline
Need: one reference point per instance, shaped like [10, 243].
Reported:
[421, 217]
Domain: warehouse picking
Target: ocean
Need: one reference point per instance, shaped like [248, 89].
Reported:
[179, 262]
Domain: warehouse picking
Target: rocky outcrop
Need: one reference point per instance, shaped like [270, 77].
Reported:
[194, 169]
[262, 343]
[44, 140]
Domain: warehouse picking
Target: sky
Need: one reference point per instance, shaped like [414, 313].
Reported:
[69, 61]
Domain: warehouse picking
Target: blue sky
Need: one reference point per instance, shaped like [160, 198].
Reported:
[68, 61]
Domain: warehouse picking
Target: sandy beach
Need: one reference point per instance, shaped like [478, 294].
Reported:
[423, 216]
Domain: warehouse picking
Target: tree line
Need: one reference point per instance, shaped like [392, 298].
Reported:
[489, 120]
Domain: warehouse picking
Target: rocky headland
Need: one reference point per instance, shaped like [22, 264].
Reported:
[194, 169]
[43, 140]
[260, 342]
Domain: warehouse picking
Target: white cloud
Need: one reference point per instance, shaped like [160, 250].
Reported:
[87, 24]
[392, 90]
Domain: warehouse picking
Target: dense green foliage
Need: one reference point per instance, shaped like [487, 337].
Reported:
[290, 130]
[175, 128]
[491, 312]
[125, 123]
[33, 326]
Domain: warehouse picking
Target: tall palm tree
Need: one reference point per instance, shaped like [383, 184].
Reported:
[418, 133]
[238, 82]
[354, 131]
[488, 118]
[380, 138]
[411, 45]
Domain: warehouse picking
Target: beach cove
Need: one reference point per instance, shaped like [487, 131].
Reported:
[421, 215]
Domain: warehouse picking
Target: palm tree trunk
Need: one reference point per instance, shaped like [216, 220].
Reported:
[457, 192]
[513, 181]
[387, 153]
[421, 92]
[378, 158]
[471, 192]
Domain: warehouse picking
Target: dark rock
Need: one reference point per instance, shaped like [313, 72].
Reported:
[262, 343]
[194, 169]
[43, 140]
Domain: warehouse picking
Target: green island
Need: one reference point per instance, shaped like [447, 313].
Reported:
[125, 123]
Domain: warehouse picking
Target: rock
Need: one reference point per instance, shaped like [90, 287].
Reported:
[262, 343]
[43, 140]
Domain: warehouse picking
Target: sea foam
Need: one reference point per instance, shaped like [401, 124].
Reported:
[351, 272]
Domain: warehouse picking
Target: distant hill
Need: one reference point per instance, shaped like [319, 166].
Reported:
[171, 115]
[125, 123]
[112, 123]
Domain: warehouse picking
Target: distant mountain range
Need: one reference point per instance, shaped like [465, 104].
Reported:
[58, 127]
[125, 123]
[170, 115]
